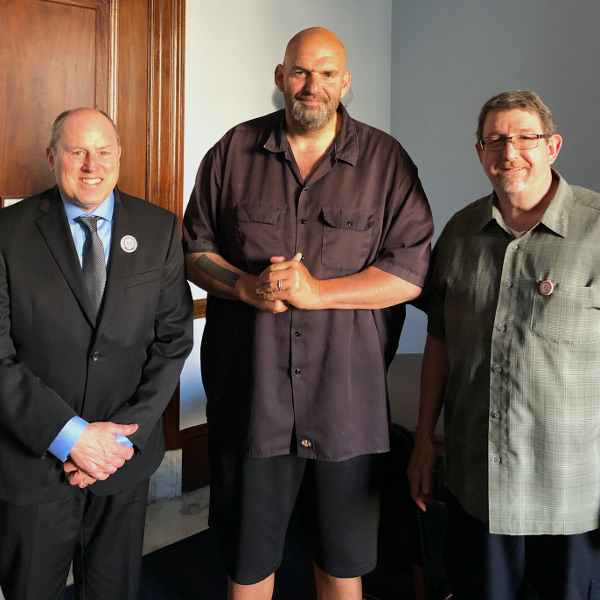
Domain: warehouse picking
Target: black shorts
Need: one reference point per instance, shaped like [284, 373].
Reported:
[252, 499]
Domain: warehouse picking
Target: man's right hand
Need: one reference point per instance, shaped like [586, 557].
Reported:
[420, 472]
[98, 453]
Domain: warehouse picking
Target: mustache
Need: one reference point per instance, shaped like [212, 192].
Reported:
[309, 96]
[512, 164]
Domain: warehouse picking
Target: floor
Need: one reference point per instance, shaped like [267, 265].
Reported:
[169, 521]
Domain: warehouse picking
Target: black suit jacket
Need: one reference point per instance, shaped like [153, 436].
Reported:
[55, 363]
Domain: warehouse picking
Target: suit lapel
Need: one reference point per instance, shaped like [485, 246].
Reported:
[123, 224]
[55, 229]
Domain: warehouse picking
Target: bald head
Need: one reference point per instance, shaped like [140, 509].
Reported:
[313, 79]
[316, 37]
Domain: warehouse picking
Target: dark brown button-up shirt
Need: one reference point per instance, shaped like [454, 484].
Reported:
[313, 382]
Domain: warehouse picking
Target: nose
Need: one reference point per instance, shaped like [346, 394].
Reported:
[509, 150]
[312, 83]
[89, 164]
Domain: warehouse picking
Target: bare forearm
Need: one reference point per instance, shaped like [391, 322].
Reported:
[434, 378]
[214, 274]
[369, 289]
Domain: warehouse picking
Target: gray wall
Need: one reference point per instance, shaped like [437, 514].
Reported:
[450, 56]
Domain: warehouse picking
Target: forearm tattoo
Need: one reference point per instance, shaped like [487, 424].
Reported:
[217, 272]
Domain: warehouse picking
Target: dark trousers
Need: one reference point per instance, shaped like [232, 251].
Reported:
[103, 536]
[484, 566]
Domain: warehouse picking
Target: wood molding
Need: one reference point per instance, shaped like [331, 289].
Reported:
[194, 453]
[164, 157]
[200, 308]
[166, 104]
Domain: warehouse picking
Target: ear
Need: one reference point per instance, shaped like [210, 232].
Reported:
[554, 145]
[479, 152]
[50, 157]
[346, 80]
[279, 77]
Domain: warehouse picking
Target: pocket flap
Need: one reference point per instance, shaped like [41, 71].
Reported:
[343, 218]
[255, 213]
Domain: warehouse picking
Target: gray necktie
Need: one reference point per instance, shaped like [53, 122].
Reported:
[94, 266]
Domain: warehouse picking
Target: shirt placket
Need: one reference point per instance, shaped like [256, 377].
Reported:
[501, 380]
[299, 340]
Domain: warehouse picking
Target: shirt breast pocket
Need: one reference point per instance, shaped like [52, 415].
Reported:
[258, 235]
[347, 239]
[569, 315]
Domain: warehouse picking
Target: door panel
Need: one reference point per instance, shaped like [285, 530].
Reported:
[52, 57]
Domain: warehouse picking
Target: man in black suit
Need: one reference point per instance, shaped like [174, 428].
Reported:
[86, 369]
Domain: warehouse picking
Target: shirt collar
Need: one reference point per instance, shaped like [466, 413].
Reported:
[555, 218]
[345, 145]
[104, 211]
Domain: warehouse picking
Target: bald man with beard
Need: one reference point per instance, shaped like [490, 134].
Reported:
[309, 230]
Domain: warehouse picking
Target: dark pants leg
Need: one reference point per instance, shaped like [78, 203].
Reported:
[484, 566]
[108, 557]
[36, 547]
[102, 535]
[565, 567]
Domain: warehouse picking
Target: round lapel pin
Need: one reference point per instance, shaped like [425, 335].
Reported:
[546, 288]
[128, 243]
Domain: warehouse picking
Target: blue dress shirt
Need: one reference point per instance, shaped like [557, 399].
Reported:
[71, 432]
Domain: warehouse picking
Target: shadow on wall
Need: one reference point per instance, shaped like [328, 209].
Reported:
[404, 385]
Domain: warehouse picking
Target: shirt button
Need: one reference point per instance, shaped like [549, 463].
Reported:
[508, 284]
[497, 460]
[501, 328]
[297, 333]
[303, 221]
[496, 414]
[306, 443]
[516, 247]
[498, 369]
[95, 356]
[297, 371]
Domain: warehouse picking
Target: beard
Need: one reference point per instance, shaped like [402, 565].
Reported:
[512, 183]
[311, 118]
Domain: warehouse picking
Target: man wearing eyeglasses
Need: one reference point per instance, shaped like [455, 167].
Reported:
[512, 354]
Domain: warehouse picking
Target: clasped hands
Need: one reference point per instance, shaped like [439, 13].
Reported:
[97, 454]
[286, 283]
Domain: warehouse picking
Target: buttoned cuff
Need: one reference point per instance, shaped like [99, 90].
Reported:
[67, 437]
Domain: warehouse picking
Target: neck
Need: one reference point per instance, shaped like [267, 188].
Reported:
[522, 211]
[309, 147]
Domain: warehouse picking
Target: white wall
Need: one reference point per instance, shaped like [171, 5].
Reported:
[233, 46]
[450, 56]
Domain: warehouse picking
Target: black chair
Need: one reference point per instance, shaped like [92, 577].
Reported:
[410, 541]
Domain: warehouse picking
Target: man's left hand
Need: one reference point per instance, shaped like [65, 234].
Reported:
[76, 476]
[288, 280]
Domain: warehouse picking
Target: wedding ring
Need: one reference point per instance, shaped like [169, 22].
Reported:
[85, 482]
[279, 286]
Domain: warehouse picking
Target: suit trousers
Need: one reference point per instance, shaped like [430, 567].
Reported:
[102, 535]
[486, 566]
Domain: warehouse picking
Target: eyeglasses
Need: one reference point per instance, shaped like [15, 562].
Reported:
[527, 141]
